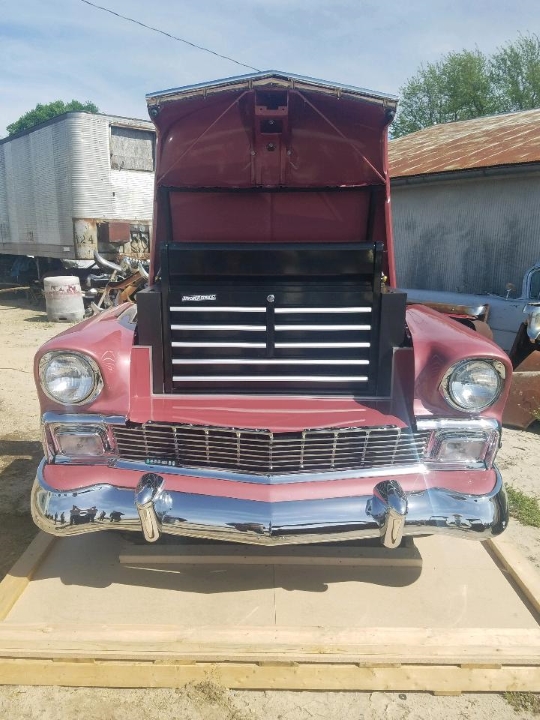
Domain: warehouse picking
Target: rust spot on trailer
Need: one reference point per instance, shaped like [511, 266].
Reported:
[116, 233]
[85, 237]
[124, 238]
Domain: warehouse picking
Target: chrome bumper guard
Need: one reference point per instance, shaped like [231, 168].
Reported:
[389, 513]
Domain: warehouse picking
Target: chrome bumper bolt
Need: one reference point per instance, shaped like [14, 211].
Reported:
[149, 489]
[389, 508]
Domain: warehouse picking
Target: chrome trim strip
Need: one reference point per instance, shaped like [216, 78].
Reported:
[470, 424]
[213, 308]
[106, 507]
[250, 328]
[52, 417]
[305, 310]
[101, 460]
[307, 476]
[268, 361]
[218, 345]
[153, 433]
[261, 437]
[256, 448]
[323, 345]
[288, 328]
[279, 80]
[268, 378]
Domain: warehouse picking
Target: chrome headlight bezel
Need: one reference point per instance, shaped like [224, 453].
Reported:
[54, 433]
[485, 430]
[94, 373]
[533, 325]
[445, 387]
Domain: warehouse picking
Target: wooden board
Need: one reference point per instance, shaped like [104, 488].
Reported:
[16, 581]
[456, 616]
[358, 555]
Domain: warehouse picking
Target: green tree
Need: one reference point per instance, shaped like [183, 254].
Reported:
[458, 87]
[468, 84]
[41, 113]
[515, 71]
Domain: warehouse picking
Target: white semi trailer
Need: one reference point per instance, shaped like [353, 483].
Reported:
[78, 183]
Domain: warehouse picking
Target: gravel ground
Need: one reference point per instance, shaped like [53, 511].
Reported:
[22, 330]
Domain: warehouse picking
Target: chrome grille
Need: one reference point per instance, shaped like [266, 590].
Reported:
[262, 452]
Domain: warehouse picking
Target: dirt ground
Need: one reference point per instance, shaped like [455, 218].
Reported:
[23, 329]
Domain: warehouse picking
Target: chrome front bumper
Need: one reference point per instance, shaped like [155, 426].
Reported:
[388, 513]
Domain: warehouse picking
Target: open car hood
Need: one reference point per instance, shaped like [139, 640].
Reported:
[271, 157]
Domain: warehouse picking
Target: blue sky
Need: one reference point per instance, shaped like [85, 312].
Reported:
[65, 49]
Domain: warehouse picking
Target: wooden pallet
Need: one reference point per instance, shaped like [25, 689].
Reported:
[54, 627]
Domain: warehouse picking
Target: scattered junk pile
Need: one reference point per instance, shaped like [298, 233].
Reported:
[114, 284]
[70, 298]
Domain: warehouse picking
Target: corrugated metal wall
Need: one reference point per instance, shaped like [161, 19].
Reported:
[5, 235]
[468, 235]
[63, 189]
[42, 202]
[99, 191]
[133, 195]
[20, 195]
[36, 178]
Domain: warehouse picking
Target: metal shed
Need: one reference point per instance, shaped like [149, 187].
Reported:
[465, 200]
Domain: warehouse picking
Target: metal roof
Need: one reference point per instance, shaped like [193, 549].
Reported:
[508, 139]
[281, 79]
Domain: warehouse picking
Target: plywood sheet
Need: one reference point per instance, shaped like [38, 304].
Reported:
[444, 616]
[457, 586]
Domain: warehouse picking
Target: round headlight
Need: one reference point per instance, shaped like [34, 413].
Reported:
[473, 385]
[69, 378]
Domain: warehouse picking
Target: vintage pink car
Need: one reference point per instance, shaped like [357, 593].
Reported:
[270, 385]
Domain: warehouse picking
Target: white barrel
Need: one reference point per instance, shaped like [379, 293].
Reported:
[63, 299]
